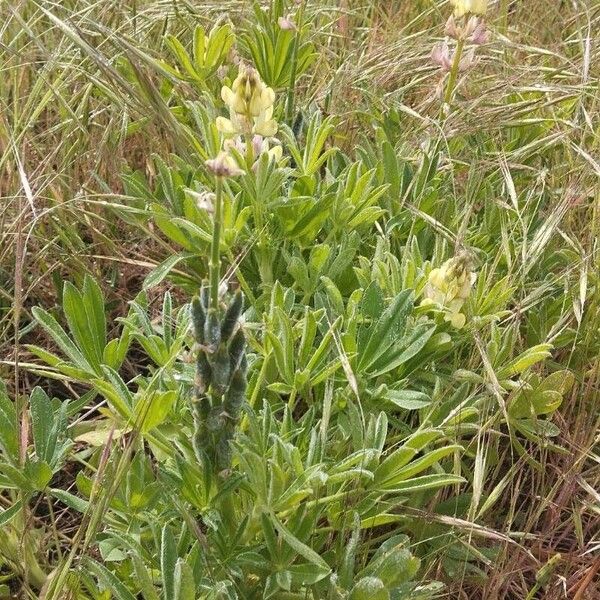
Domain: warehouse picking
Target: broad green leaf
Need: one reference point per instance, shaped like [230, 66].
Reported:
[302, 549]
[7, 515]
[42, 421]
[70, 500]
[168, 561]
[426, 482]
[185, 587]
[108, 580]
[403, 455]
[525, 360]
[49, 323]
[143, 578]
[161, 271]
[388, 330]
[407, 399]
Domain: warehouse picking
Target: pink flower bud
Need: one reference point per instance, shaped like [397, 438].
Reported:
[452, 29]
[440, 55]
[480, 34]
[286, 24]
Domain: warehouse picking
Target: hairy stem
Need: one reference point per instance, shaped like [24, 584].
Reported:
[215, 262]
[454, 71]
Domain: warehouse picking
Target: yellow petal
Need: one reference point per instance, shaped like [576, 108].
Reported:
[457, 320]
[267, 128]
[436, 278]
[275, 153]
[225, 126]
[227, 95]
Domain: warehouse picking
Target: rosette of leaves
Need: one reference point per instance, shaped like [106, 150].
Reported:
[220, 384]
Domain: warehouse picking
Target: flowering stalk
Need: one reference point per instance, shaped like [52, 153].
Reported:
[460, 44]
[289, 105]
[215, 258]
[220, 384]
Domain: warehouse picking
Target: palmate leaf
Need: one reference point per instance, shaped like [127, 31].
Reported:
[387, 331]
[60, 337]
[302, 549]
[9, 440]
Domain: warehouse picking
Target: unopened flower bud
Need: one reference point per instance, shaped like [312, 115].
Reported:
[479, 34]
[204, 200]
[452, 29]
[440, 55]
[223, 166]
[286, 24]
[222, 72]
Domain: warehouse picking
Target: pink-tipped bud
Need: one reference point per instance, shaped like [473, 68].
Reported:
[452, 29]
[222, 72]
[286, 23]
[480, 34]
[440, 55]
[223, 165]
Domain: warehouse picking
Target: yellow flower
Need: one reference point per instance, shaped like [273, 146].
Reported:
[250, 104]
[473, 7]
[449, 286]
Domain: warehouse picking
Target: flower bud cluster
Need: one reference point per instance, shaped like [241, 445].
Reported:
[467, 27]
[449, 286]
[250, 104]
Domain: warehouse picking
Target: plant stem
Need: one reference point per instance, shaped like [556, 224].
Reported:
[504, 15]
[215, 262]
[289, 104]
[249, 153]
[460, 44]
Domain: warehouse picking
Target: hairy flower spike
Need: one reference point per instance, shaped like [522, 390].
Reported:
[250, 104]
[449, 286]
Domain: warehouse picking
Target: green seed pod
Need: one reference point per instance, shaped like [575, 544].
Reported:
[221, 371]
[203, 372]
[216, 419]
[205, 294]
[200, 440]
[200, 409]
[232, 315]
[235, 396]
[223, 452]
[212, 330]
[198, 319]
[237, 345]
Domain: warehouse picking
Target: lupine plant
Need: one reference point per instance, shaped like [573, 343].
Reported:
[299, 309]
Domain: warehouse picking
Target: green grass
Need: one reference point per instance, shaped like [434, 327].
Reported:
[379, 451]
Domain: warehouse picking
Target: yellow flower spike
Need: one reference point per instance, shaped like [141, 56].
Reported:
[250, 104]
[449, 286]
[472, 7]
